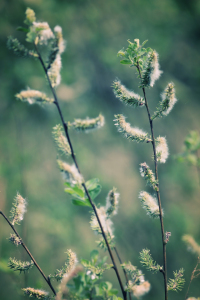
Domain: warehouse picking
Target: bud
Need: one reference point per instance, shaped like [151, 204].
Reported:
[30, 16]
[21, 266]
[38, 294]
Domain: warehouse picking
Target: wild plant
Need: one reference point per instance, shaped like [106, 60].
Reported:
[85, 281]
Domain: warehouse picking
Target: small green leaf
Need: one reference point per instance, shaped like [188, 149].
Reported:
[113, 292]
[94, 193]
[74, 190]
[81, 202]
[92, 184]
[144, 43]
[22, 29]
[125, 62]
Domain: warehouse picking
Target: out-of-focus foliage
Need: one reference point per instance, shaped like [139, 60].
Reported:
[95, 31]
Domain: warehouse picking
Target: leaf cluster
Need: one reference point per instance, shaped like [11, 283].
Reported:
[148, 262]
[177, 283]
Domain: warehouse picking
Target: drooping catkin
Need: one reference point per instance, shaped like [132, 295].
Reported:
[167, 102]
[126, 96]
[88, 125]
[132, 133]
[149, 204]
[18, 209]
[162, 151]
[151, 70]
[33, 97]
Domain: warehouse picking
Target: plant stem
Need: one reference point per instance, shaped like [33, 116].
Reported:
[157, 192]
[65, 126]
[192, 277]
[29, 253]
[125, 274]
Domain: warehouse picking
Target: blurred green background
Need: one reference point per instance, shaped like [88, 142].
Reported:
[95, 31]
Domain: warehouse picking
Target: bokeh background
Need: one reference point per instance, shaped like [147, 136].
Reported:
[95, 31]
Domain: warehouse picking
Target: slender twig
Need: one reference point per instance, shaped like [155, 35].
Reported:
[157, 192]
[125, 273]
[192, 277]
[29, 253]
[65, 126]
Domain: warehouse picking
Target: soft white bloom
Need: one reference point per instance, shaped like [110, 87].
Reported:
[18, 210]
[141, 289]
[43, 31]
[33, 96]
[112, 202]
[162, 150]
[70, 173]
[106, 223]
[132, 133]
[54, 71]
[150, 204]
[61, 42]
[151, 70]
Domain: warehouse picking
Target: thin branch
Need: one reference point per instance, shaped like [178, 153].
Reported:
[29, 253]
[125, 273]
[157, 192]
[65, 126]
[192, 277]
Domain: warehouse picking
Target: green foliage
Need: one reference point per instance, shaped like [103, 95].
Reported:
[148, 262]
[21, 266]
[190, 152]
[135, 54]
[177, 283]
[78, 194]
[19, 49]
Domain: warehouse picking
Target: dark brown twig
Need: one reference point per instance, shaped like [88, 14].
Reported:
[29, 253]
[157, 192]
[65, 126]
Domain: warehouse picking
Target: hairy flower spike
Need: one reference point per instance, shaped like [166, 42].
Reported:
[58, 35]
[167, 103]
[162, 151]
[177, 283]
[17, 265]
[88, 125]
[61, 140]
[126, 96]
[105, 222]
[69, 266]
[18, 209]
[150, 204]
[70, 173]
[33, 97]
[112, 201]
[14, 239]
[19, 49]
[149, 176]
[38, 294]
[191, 244]
[54, 71]
[151, 70]
[130, 132]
